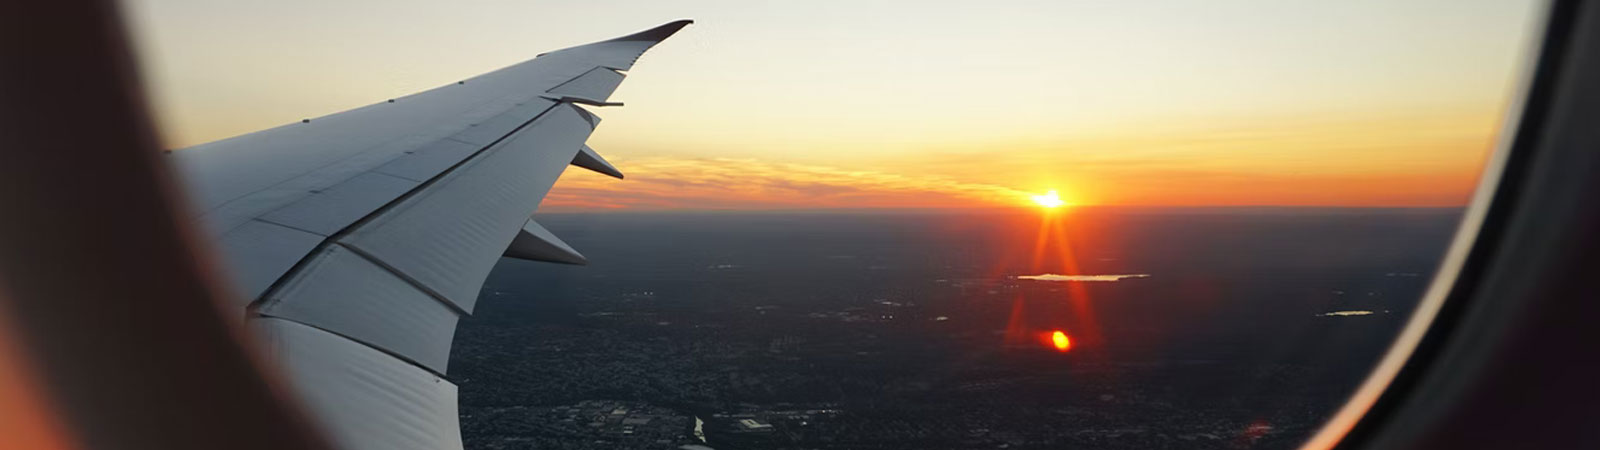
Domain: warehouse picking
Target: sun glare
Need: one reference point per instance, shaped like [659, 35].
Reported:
[1049, 200]
[1061, 341]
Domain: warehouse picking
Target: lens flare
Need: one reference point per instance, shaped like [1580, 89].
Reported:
[1061, 341]
[1049, 200]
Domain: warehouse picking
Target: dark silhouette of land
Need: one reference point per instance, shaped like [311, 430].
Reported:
[908, 330]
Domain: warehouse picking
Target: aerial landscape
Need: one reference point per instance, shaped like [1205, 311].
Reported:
[1196, 327]
[924, 225]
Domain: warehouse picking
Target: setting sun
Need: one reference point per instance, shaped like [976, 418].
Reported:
[1049, 200]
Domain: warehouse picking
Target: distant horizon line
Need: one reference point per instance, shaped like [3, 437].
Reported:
[1003, 209]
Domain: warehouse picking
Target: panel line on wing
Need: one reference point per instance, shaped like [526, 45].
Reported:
[367, 400]
[354, 158]
[468, 218]
[403, 277]
[347, 337]
[431, 181]
[278, 284]
[292, 227]
[590, 74]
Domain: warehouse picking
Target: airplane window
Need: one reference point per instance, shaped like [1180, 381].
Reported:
[928, 224]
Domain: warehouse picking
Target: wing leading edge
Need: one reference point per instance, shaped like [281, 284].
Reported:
[358, 239]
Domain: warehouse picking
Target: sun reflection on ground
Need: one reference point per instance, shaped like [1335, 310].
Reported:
[1060, 340]
[1069, 306]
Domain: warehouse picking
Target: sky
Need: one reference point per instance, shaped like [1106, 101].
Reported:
[823, 104]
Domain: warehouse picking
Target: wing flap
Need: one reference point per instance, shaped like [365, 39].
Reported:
[343, 293]
[364, 398]
[448, 236]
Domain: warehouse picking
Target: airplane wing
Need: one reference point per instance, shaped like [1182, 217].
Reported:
[356, 240]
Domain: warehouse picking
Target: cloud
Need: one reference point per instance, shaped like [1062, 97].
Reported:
[721, 183]
[1347, 313]
[1055, 277]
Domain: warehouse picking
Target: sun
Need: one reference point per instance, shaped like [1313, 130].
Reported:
[1049, 200]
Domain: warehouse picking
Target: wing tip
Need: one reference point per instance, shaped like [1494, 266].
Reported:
[659, 33]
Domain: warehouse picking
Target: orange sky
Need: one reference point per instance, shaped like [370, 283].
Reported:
[1429, 160]
[937, 103]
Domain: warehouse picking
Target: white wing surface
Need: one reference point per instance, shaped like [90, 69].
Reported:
[356, 240]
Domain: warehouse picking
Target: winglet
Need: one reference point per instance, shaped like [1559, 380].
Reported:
[657, 34]
[535, 243]
[589, 159]
[640, 41]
